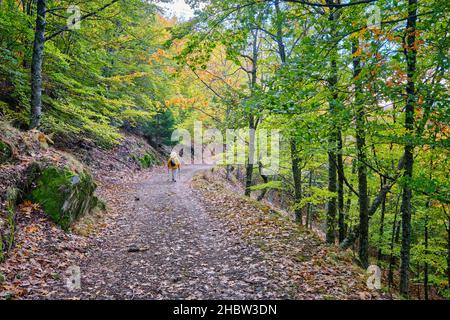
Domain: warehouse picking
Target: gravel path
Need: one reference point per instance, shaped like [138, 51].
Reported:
[166, 246]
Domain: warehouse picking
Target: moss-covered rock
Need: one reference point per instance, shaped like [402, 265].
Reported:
[64, 195]
[5, 152]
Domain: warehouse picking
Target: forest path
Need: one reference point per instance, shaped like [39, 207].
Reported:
[167, 246]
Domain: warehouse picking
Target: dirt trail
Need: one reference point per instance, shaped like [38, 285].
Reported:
[182, 251]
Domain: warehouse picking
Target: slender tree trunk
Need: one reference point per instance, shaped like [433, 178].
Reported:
[425, 269]
[36, 65]
[426, 235]
[265, 179]
[394, 240]
[392, 257]
[296, 172]
[348, 205]
[411, 57]
[248, 179]
[251, 157]
[349, 201]
[226, 146]
[332, 161]
[252, 119]
[30, 4]
[341, 212]
[332, 187]
[280, 37]
[312, 208]
[381, 231]
[362, 168]
[448, 254]
[332, 139]
[308, 206]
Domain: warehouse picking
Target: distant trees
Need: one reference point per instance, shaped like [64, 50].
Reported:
[159, 129]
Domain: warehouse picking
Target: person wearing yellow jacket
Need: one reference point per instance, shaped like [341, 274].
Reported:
[174, 165]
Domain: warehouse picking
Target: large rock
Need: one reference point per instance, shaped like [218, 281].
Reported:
[64, 195]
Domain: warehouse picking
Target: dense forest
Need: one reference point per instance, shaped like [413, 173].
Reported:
[359, 90]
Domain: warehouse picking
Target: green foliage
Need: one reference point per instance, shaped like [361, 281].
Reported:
[148, 160]
[318, 197]
[271, 185]
[110, 74]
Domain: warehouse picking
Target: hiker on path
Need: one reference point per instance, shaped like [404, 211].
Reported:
[174, 164]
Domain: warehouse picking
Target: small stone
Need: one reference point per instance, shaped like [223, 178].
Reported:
[133, 249]
[75, 180]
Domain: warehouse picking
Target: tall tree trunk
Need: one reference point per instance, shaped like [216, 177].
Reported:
[253, 121]
[341, 212]
[36, 65]
[333, 138]
[425, 270]
[361, 156]
[411, 57]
